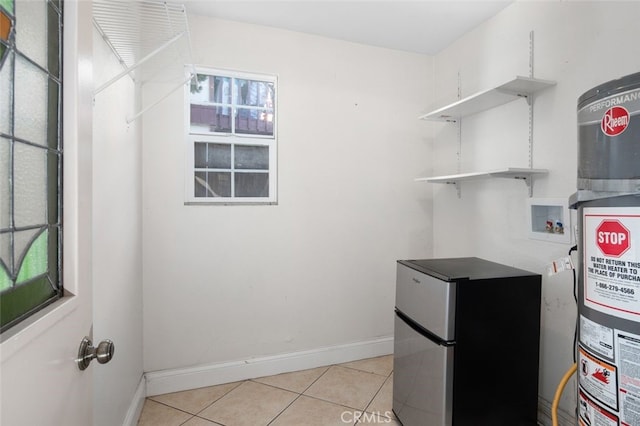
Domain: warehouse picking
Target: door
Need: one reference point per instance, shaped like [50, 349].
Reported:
[40, 383]
[422, 377]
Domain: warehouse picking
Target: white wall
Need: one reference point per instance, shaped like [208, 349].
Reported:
[228, 283]
[117, 246]
[577, 45]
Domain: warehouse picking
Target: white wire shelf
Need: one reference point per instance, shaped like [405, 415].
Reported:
[149, 39]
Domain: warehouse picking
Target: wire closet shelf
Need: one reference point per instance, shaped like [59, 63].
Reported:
[148, 38]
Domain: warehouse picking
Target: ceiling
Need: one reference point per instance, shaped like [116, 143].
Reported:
[422, 26]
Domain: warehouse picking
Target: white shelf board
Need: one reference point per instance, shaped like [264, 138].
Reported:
[520, 87]
[509, 172]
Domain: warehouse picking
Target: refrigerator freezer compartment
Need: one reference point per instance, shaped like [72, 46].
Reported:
[413, 288]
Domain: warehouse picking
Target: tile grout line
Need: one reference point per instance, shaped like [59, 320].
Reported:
[362, 371]
[221, 396]
[189, 419]
[196, 415]
[284, 409]
[292, 372]
[173, 408]
[376, 394]
[205, 419]
[365, 371]
[299, 394]
[298, 397]
[354, 369]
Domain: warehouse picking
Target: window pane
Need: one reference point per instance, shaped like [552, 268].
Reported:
[212, 156]
[219, 156]
[31, 101]
[35, 261]
[53, 257]
[211, 89]
[31, 30]
[5, 281]
[200, 184]
[220, 89]
[5, 182]
[54, 162]
[6, 94]
[251, 157]
[7, 4]
[6, 252]
[252, 184]
[212, 184]
[200, 155]
[220, 182]
[5, 26]
[20, 300]
[254, 93]
[210, 118]
[21, 242]
[254, 121]
[52, 118]
[30, 185]
[53, 40]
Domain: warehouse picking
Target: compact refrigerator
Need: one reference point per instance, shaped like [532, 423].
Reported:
[466, 343]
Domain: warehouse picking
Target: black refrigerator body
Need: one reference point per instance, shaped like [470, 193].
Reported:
[466, 343]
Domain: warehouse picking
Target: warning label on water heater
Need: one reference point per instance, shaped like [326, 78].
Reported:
[611, 264]
[598, 378]
[628, 350]
[591, 413]
[596, 337]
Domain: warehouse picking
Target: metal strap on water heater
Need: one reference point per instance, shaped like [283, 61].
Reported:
[609, 185]
[583, 196]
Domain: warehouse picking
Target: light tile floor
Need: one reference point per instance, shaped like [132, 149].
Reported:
[353, 393]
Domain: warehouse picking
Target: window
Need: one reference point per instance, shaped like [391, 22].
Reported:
[30, 157]
[231, 147]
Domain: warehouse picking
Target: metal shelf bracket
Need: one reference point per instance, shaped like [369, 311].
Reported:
[527, 181]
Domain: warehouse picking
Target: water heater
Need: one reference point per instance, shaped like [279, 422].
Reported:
[608, 205]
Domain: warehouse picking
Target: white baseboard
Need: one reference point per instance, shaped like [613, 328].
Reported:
[137, 402]
[544, 415]
[175, 380]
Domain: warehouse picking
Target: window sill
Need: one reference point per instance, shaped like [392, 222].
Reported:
[227, 203]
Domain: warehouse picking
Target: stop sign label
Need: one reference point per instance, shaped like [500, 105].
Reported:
[613, 238]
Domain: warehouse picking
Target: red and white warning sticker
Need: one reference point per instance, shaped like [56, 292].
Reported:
[611, 241]
[592, 414]
[598, 378]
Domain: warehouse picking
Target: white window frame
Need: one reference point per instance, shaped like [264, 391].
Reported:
[232, 139]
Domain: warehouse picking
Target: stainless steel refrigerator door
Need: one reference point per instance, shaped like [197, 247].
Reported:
[427, 300]
[422, 378]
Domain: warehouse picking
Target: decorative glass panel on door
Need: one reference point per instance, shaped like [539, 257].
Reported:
[30, 157]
